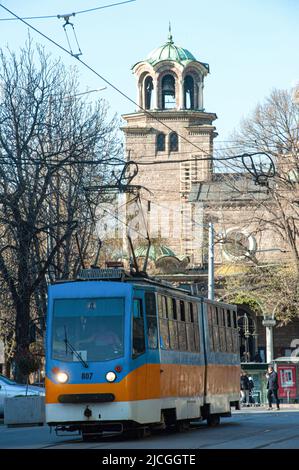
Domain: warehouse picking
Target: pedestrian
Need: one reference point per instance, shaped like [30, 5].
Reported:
[244, 388]
[251, 387]
[272, 387]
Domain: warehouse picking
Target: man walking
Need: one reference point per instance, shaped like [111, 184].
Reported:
[272, 386]
[244, 388]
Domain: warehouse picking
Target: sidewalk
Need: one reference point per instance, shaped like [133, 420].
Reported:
[263, 407]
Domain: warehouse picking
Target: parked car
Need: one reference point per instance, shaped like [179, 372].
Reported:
[9, 388]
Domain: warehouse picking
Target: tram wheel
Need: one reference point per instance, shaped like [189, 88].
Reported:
[213, 420]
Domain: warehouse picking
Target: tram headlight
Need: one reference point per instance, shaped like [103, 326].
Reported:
[62, 377]
[110, 376]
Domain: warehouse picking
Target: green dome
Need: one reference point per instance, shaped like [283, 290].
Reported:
[169, 51]
[156, 251]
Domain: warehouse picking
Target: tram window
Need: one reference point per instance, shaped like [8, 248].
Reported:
[190, 336]
[138, 328]
[150, 304]
[228, 318]
[173, 334]
[182, 310]
[164, 307]
[160, 308]
[151, 320]
[174, 309]
[216, 339]
[187, 311]
[191, 312]
[170, 308]
[235, 319]
[220, 316]
[182, 336]
[222, 313]
[164, 334]
[196, 337]
[210, 315]
[229, 339]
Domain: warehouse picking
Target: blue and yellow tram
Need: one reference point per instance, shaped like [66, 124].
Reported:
[126, 352]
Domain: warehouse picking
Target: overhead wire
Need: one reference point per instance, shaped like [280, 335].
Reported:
[210, 157]
[70, 14]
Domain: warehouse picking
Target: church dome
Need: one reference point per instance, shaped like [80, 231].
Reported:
[169, 51]
[156, 251]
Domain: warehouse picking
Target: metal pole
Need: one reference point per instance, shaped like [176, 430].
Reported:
[211, 276]
[269, 344]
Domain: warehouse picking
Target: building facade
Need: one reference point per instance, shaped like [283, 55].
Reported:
[170, 136]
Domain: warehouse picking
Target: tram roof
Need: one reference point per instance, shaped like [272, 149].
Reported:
[120, 275]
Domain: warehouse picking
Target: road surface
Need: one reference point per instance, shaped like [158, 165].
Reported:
[247, 429]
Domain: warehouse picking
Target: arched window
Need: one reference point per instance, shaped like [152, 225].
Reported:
[148, 88]
[173, 142]
[160, 142]
[168, 92]
[189, 92]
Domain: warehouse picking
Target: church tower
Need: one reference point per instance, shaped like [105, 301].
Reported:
[170, 136]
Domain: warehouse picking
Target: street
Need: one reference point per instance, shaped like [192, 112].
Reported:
[247, 429]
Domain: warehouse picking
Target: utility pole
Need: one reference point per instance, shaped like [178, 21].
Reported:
[269, 322]
[211, 274]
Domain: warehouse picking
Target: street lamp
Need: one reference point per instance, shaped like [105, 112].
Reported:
[269, 322]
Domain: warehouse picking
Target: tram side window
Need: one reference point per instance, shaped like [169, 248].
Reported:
[164, 334]
[182, 310]
[222, 330]
[163, 322]
[229, 331]
[210, 323]
[138, 328]
[174, 309]
[235, 320]
[235, 333]
[216, 328]
[190, 327]
[151, 320]
[196, 327]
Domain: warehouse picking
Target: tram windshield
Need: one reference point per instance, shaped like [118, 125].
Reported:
[93, 327]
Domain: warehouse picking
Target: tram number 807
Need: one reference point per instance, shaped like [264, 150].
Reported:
[86, 375]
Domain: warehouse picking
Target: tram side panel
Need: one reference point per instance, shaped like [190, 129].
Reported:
[181, 356]
[222, 356]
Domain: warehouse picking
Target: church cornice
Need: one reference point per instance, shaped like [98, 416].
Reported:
[137, 130]
[173, 115]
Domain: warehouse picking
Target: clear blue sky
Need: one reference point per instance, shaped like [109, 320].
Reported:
[252, 46]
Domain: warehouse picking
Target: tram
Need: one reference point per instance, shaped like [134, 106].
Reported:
[130, 353]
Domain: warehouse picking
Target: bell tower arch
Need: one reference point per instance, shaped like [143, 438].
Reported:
[173, 133]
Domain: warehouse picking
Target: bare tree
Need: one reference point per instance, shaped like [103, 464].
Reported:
[272, 131]
[50, 140]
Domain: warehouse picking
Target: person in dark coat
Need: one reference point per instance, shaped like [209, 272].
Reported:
[244, 388]
[272, 387]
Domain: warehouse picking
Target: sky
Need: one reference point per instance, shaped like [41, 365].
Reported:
[252, 46]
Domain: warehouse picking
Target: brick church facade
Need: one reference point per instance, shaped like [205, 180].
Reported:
[170, 137]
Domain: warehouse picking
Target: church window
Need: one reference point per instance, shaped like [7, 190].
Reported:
[168, 92]
[189, 92]
[173, 142]
[160, 142]
[148, 88]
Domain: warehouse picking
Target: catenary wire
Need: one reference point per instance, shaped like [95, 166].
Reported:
[210, 157]
[71, 14]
